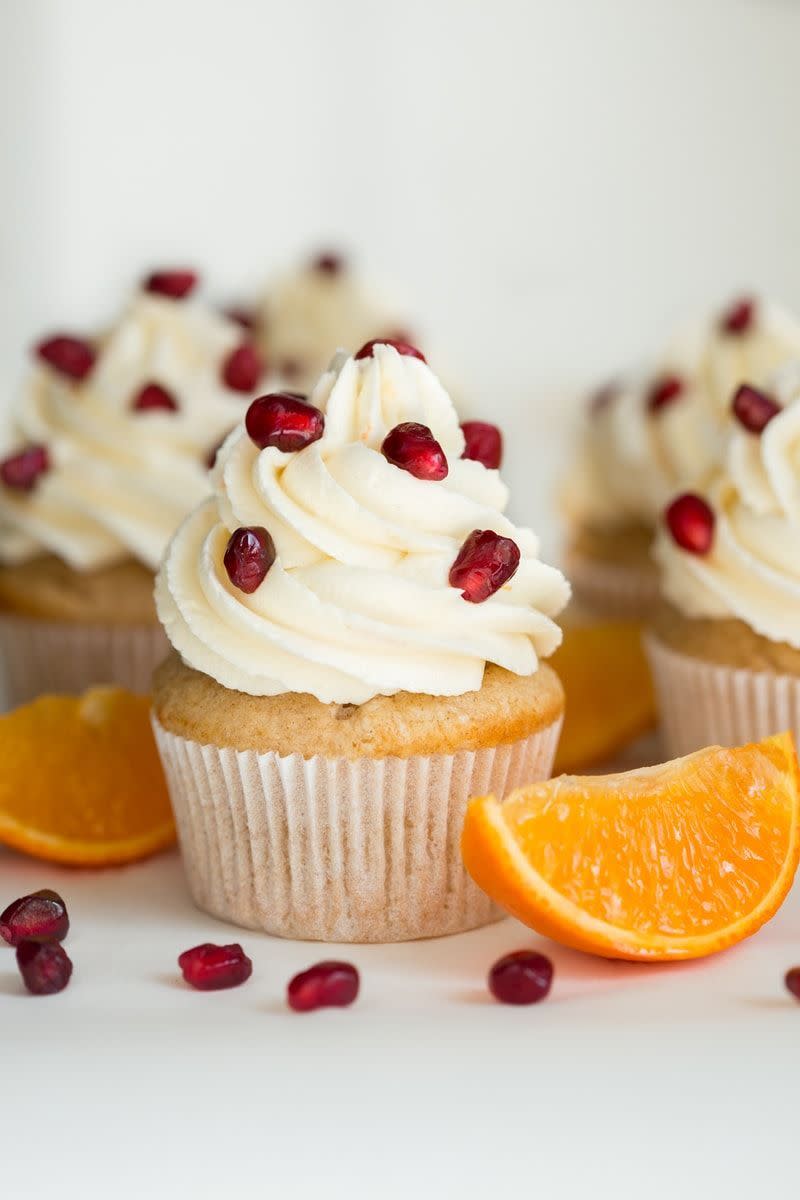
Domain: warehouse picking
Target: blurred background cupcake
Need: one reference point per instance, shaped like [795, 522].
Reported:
[110, 448]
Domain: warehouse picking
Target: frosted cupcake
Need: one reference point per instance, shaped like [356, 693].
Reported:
[725, 648]
[309, 315]
[358, 638]
[111, 447]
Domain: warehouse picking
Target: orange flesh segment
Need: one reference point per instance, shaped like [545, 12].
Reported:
[674, 861]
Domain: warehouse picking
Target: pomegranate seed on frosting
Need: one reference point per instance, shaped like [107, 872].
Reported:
[404, 348]
[739, 318]
[325, 985]
[753, 408]
[210, 968]
[690, 519]
[243, 368]
[484, 443]
[70, 356]
[154, 396]
[248, 557]
[175, 284]
[664, 391]
[484, 563]
[21, 471]
[413, 448]
[284, 420]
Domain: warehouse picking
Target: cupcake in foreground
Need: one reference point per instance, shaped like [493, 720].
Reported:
[111, 442]
[725, 645]
[358, 638]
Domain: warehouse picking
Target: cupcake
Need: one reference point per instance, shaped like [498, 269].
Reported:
[110, 450]
[725, 645]
[309, 315]
[358, 634]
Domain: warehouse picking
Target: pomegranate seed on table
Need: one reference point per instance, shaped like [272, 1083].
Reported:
[523, 977]
[664, 391]
[154, 396]
[753, 408]
[413, 448]
[284, 420]
[210, 968]
[403, 348]
[328, 264]
[325, 985]
[243, 368]
[21, 471]
[483, 564]
[40, 917]
[248, 557]
[70, 356]
[690, 519]
[45, 967]
[792, 981]
[176, 285]
[739, 317]
[484, 443]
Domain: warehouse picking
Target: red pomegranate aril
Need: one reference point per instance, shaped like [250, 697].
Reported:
[484, 443]
[284, 420]
[39, 917]
[243, 368]
[753, 408]
[413, 448]
[690, 519]
[325, 985]
[739, 317]
[664, 391]
[211, 968]
[45, 967]
[523, 977]
[403, 348]
[153, 396]
[174, 284]
[70, 356]
[792, 981]
[248, 557]
[328, 264]
[22, 470]
[242, 317]
[483, 564]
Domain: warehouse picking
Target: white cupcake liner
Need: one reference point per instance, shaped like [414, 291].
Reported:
[612, 591]
[332, 850]
[66, 657]
[707, 704]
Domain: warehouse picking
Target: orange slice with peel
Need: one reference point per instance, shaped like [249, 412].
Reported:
[610, 699]
[668, 862]
[81, 782]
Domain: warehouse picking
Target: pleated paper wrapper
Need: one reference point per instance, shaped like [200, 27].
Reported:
[610, 591]
[708, 704]
[61, 656]
[332, 850]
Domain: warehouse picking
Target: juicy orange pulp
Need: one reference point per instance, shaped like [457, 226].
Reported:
[668, 862]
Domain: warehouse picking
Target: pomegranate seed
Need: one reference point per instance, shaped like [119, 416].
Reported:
[248, 557]
[242, 368]
[664, 391]
[22, 470]
[754, 409]
[45, 967]
[404, 348]
[792, 981]
[690, 520]
[39, 917]
[484, 443]
[284, 420]
[154, 396]
[325, 985]
[174, 284]
[523, 977]
[739, 317]
[210, 968]
[483, 564]
[290, 368]
[70, 356]
[242, 317]
[328, 264]
[413, 448]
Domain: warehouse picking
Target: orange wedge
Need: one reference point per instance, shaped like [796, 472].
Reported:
[668, 862]
[610, 699]
[81, 781]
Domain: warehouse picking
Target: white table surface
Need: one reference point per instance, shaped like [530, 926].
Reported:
[628, 1081]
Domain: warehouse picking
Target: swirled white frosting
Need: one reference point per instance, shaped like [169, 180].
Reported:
[752, 572]
[631, 461]
[357, 603]
[121, 481]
